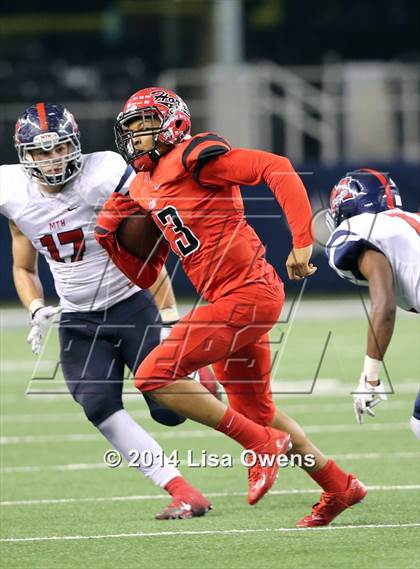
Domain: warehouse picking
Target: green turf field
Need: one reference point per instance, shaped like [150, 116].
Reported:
[62, 508]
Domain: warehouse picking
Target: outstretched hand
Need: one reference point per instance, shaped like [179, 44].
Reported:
[366, 397]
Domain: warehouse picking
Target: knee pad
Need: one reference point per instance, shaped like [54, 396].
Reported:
[97, 406]
[162, 414]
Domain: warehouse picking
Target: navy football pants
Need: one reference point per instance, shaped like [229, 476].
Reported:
[95, 346]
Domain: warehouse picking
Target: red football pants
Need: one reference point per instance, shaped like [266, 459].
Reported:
[232, 334]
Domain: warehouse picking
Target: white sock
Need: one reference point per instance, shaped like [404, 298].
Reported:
[126, 435]
[415, 426]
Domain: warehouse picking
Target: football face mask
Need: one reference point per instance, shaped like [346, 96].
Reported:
[151, 120]
[361, 191]
[47, 141]
[136, 135]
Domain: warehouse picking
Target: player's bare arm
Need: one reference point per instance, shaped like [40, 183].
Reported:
[25, 270]
[375, 267]
[29, 287]
[164, 296]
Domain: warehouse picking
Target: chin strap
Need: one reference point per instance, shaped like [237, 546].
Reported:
[147, 162]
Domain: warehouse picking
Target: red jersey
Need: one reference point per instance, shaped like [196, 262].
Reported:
[194, 197]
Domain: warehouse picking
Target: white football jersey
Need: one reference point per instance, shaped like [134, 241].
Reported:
[61, 227]
[395, 233]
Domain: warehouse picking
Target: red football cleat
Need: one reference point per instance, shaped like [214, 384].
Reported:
[332, 504]
[207, 379]
[191, 505]
[262, 476]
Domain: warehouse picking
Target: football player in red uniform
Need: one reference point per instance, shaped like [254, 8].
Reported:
[193, 196]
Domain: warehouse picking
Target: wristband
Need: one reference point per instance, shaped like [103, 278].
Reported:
[169, 315]
[371, 368]
[35, 305]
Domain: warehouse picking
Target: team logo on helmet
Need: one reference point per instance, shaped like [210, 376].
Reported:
[171, 101]
[171, 124]
[43, 127]
[362, 191]
[344, 190]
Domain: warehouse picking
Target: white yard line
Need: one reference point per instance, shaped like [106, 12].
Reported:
[373, 488]
[374, 455]
[47, 417]
[53, 467]
[202, 532]
[101, 465]
[282, 389]
[198, 433]
[313, 407]
[332, 308]
[14, 366]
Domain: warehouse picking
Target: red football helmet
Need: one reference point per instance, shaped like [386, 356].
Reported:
[171, 124]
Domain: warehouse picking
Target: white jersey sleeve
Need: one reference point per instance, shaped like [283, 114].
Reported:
[13, 190]
[61, 227]
[395, 233]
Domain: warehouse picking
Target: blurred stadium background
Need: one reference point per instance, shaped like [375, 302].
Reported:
[333, 86]
[330, 85]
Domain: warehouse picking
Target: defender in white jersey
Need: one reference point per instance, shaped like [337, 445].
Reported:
[51, 199]
[60, 227]
[376, 244]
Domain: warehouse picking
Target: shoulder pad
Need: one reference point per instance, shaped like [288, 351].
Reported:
[343, 250]
[201, 149]
[107, 172]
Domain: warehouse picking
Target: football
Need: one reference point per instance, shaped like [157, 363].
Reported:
[139, 234]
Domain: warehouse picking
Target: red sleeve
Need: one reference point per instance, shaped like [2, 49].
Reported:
[142, 273]
[251, 167]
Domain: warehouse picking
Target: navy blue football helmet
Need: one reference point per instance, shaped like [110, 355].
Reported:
[43, 127]
[361, 191]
